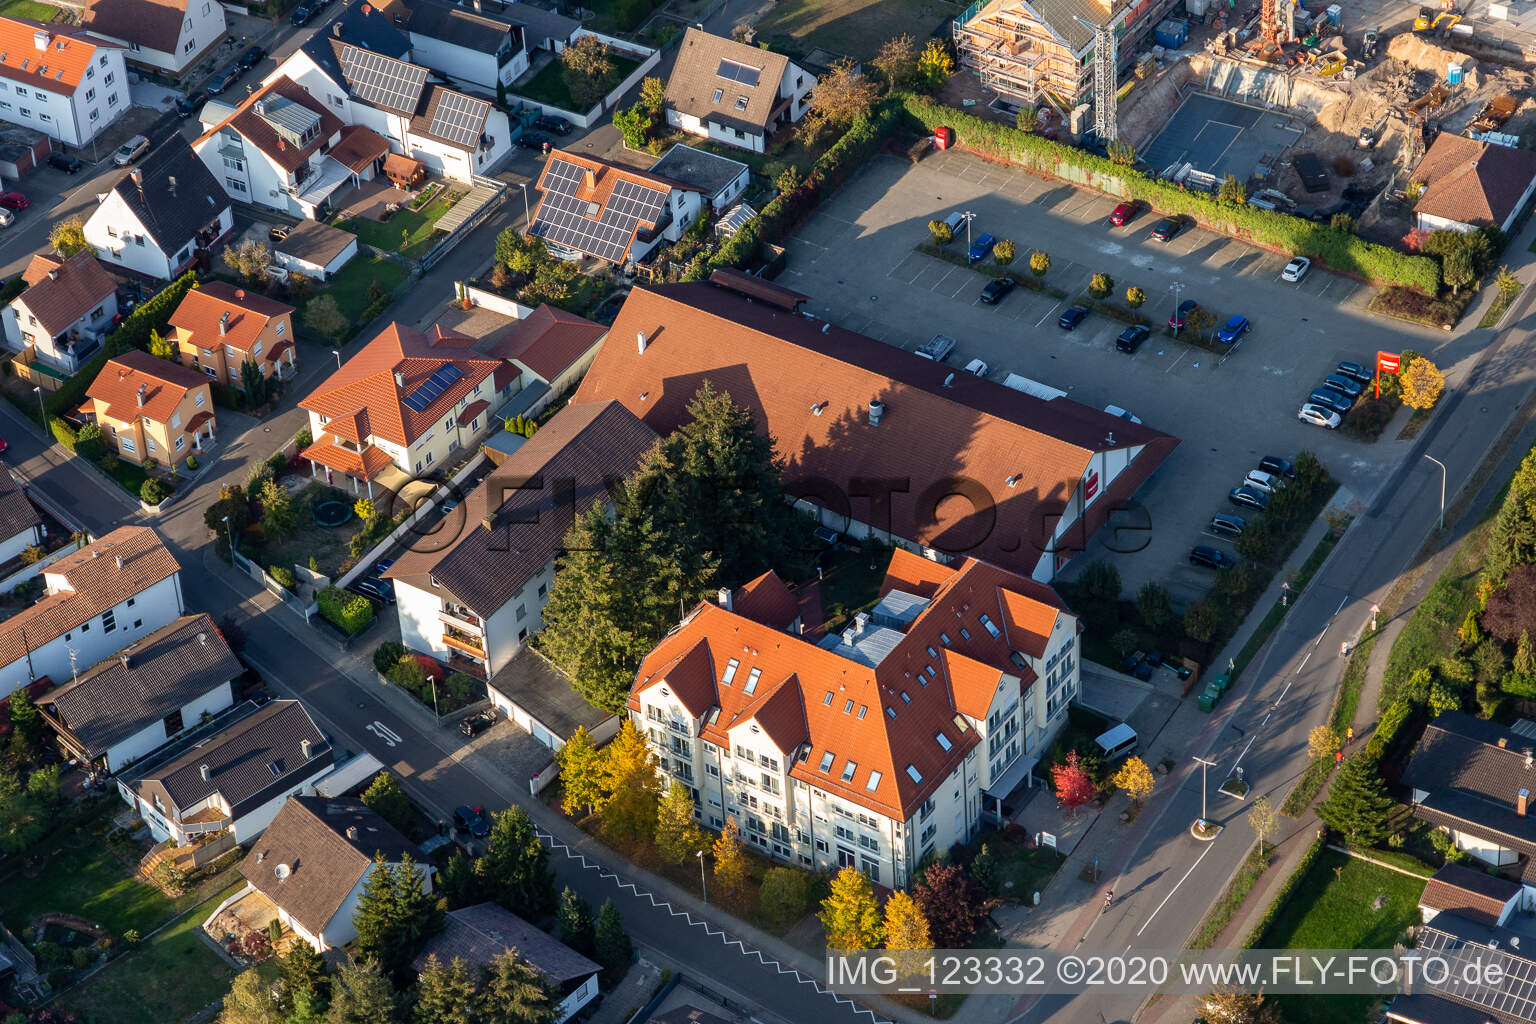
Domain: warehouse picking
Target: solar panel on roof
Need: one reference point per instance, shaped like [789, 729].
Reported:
[736, 72]
[431, 389]
[458, 118]
[383, 81]
[1515, 995]
[564, 218]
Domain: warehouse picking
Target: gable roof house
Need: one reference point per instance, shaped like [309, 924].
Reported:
[115, 590]
[1474, 779]
[1470, 184]
[314, 248]
[132, 703]
[20, 525]
[542, 29]
[916, 722]
[1481, 975]
[313, 860]
[479, 934]
[66, 310]
[720, 179]
[65, 82]
[845, 409]
[218, 327]
[164, 35]
[466, 45]
[161, 214]
[152, 410]
[734, 93]
[551, 349]
[401, 406]
[235, 778]
[475, 601]
[590, 207]
[1470, 894]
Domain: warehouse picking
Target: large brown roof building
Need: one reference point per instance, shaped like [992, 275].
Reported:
[734, 93]
[67, 308]
[1470, 184]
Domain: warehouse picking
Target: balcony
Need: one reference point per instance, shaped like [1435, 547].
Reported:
[464, 644]
[463, 622]
[458, 663]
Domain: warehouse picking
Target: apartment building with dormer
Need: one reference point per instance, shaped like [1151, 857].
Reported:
[62, 81]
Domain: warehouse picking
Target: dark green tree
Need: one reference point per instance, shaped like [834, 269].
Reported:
[610, 940]
[386, 798]
[1513, 539]
[25, 718]
[515, 868]
[445, 993]
[459, 883]
[574, 918]
[254, 383]
[1357, 803]
[232, 503]
[516, 993]
[395, 915]
[361, 994]
[304, 972]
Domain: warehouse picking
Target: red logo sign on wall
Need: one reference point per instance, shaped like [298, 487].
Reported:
[1091, 486]
[1388, 362]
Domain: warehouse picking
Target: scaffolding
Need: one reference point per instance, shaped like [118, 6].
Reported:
[1016, 55]
[1105, 100]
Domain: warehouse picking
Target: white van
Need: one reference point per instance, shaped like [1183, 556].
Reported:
[955, 222]
[1117, 742]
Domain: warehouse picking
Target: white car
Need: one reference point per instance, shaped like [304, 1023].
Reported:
[1115, 410]
[1296, 269]
[7, 218]
[131, 151]
[1319, 417]
[977, 368]
[1262, 481]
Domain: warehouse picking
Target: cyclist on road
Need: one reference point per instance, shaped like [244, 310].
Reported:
[1109, 898]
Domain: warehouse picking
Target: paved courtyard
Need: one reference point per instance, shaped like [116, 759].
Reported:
[1221, 137]
[856, 259]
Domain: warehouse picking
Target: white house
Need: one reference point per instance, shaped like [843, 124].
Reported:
[734, 93]
[65, 82]
[164, 35]
[20, 525]
[1469, 184]
[313, 860]
[132, 703]
[475, 601]
[161, 214]
[1469, 894]
[720, 180]
[589, 207]
[67, 309]
[235, 779]
[315, 249]
[115, 590]
[877, 746]
[466, 45]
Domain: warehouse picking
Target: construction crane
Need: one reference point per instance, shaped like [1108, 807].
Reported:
[1105, 120]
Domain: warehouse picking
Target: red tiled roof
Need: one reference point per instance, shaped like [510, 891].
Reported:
[199, 315]
[767, 600]
[472, 410]
[1469, 893]
[359, 147]
[364, 465]
[367, 385]
[196, 422]
[263, 136]
[548, 341]
[155, 24]
[165, 384]
[78, 285]
[276, 351]
[61, 67]
[1471, 182]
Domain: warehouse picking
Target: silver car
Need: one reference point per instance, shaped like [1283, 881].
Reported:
[131, 151]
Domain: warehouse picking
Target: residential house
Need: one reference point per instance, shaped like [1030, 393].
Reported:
[151, 410]
[234, 779]
[132, 703]
[466, 45]
[550, 348]
[20, 525]
[162, 214]
[544, 702]
[1470, 184]
[401, 407]
[313, 861]
[1469, 893]
[160, 35]
[479, 934]
[1042, 475]
[875, 747]
[719, 179]
[65, 82]
[1473, 779]
[218, 328]
[734, 93]
[589, 207]
[1470, 972]
[315, 250]
[66, 311]
[475, 600]
[542, 29]
[272, 150]
[115, 590]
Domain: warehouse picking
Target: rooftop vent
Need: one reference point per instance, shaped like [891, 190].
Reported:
[40, 40]
[119, 561]
[352, 832]
[205, 772]
[949, 381]
[202, 638]
[1013, 481]
[170, 181]
[640, 342]
[399, 378]
[282, 871]
[224, 324]
[305, 749]
[876, 411]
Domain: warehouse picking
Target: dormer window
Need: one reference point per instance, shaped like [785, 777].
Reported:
[730, 672]
[741, 103]
[752, 678]
[826, 760]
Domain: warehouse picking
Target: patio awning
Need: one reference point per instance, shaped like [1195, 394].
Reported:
[359, 147]
[472, 410]
[1012, 777]
[276, 351]
[333, 174]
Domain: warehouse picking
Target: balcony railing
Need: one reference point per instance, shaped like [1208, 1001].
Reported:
[468, 623]
[463, 645]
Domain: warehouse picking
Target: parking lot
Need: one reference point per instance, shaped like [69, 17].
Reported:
[856, 259]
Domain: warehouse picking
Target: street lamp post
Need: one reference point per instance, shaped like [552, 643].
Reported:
[1437, 462]
[527, 215]
[337, 353]
[702, 888]
[1178, 289]
[42, 410]
[969, 216]
[229, 532]
[1204, 764]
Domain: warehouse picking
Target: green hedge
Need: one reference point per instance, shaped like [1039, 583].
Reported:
[348, 612]
[12, 288]
[1338, 250]
[63, 432]
[1284, 893]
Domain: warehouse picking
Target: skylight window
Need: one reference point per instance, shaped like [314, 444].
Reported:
[849, 769]
[905, 699]
[931, 652]
[848, 708]
[890, 711]
[826, 760]
[965, 632]
[863, 710]
[730, 672]
[932, 672]
[827, 700]
[943, 741]
[986, 624]
[752, 678]
[961, 723]
[914, 774]
[741, 103]
[874, 782]
[944, 639]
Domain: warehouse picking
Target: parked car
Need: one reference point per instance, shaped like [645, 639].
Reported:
[471, 820]
[1248, 497]
[995, 289]
[1131, 338]
[553, 123]
[301, 15]
[1296, 269]
[250, 58]
[223, 81]
[1124, 214]
[1319, 417]
[1115, 410]
[1071, 317]
[1343, 384]
[7, 218]
[1225, 524]
[1276, 466]
[66, 163]
[1330, 399]
[1355, 371]
[382, 566]
[5, 445]
[476, 724]
[187, 106]
[1262, 481]
[379, 590]
[976, 368]
[1211, 558]
[14, 201]
[1165, 229]
[130, 151]
[1235, 327]
[1178, 317]
[534, 140]
[981, 248]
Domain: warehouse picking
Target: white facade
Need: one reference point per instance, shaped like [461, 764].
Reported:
[471, 66]
[152, 737]
[202, 26]
[426, 616]
[244, 828]
[251, 176]
[67, 350]
[340, 930]
[120, 238]
[106, 633]
[795, 86]
[12, 547]
[71, 117]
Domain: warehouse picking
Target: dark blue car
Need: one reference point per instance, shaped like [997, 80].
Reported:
[1233, 329]
[981, 248]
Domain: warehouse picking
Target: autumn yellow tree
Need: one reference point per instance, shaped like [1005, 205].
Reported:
[849, 914]
[1422, 384]
[1135, 778]
[730, 858]
[906, 931]
[68, 237]
[1262, 817]
[581, 773]
[1323, 741]
[677, 836]
[631, 787]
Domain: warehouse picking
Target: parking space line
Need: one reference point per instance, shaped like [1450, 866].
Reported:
[941, 280]
[1184, 351]
[1048, 313]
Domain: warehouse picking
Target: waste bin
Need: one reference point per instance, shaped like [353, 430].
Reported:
[943, 136]
[1222, 681]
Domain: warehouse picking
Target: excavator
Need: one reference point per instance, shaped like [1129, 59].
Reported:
[1437, 22]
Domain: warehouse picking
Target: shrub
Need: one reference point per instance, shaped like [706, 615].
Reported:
[191, 462]
[152, 492]
[83, 957]
[284, 576]
[942, 235]
[461, 687]
[1101, 285]
[387, 655]
[32, 554]
[348, 612]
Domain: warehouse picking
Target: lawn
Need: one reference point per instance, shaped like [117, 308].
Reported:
[548, 86]
[129, 477]
[416, 226]
[855, 28]
[350, 287]
[169, 978]
[1021, 871]
[328, 544]
[30, 9]
[1334, 907]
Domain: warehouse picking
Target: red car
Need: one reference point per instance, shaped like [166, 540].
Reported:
[1124, 214]
[14, 201]
[1180, 315]
[5, 445]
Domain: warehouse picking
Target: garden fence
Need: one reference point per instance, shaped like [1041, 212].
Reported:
[293, 602]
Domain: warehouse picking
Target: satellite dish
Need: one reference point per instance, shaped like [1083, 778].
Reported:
[282, 871]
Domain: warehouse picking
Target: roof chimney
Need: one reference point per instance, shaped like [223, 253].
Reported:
[53, 273]
[861, 621]
[304, 748]
[202, 638]
[205, 772]
[399, 378]
[641, 341]
[725, 598]
[124, 659]
[119, 561]
[138, 179]
[143, 390]
[224, 324]
[240, 294]
[352, 832]
[282, 144]
[1503, 742]
[1521, 798]
[876, 411]
[488, 521]
[589, 178]
[40, 40]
